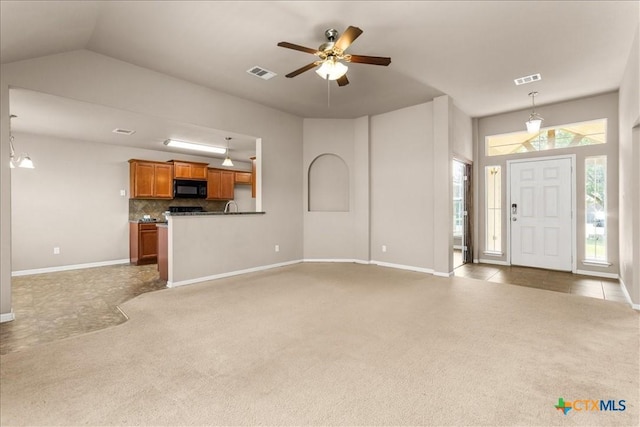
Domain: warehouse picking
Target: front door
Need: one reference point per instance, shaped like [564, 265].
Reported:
[540, 212]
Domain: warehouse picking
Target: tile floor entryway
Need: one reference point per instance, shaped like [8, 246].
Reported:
[58, 305]
[557, 281]
[55, 306]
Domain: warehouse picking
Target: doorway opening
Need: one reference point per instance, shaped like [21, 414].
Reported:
[462, 197]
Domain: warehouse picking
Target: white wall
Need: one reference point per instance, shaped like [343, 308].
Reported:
[629, 107]
[590, 108]
[90, 77]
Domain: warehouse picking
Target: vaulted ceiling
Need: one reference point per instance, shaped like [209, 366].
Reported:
[471, 50]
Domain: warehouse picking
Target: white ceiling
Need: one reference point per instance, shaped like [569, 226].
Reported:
[470, 50]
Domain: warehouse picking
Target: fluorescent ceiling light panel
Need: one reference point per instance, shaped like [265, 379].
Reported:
[193, 146]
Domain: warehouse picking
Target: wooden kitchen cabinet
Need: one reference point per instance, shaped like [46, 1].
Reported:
[150, 180]
[220, 184]
[189, 170]
[242, 178]
[253, 177]
[143, 243]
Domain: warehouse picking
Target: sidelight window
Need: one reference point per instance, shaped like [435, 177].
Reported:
[596, 208]
[493, 214]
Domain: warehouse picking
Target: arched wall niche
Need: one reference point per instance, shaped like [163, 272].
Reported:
[328, 184]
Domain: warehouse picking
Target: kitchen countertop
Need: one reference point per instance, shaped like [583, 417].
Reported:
[213, 213]
[140, 221]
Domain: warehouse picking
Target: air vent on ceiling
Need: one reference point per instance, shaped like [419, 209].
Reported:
[528, 79]
[123, 131]
[261, 72]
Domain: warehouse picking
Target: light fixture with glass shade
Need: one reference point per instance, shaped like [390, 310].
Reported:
[332, 69]
[227, 161]
[535, 119]
[21, 161]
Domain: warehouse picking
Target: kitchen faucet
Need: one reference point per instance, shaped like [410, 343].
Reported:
[230, 202]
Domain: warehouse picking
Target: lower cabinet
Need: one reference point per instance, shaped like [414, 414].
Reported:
[143, 243]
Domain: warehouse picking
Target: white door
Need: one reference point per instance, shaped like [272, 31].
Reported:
[540, 212]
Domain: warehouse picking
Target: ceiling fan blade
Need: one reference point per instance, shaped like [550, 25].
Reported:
[374, 60]
[298, 47]
[301, 70]
[349, 35]
[343, 81]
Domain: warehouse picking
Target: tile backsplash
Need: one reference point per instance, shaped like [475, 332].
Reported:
[140, 207]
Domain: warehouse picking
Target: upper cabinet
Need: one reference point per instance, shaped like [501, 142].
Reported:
[220, 184]
[189, 170]
[242, 177]
[150, 180]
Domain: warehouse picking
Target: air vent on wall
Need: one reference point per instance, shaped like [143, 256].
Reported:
[261, 72]
[123, 131]
[528, 79]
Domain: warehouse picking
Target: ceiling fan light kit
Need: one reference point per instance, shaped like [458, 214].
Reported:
[331, 54]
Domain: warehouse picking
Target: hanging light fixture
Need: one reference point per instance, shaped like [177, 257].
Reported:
[21, 161]
[227, 161]
[535, 119]
[332, 69]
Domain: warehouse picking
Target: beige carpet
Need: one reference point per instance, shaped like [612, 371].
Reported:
[335, 344]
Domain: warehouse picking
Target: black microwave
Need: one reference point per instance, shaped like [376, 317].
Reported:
[189, 189]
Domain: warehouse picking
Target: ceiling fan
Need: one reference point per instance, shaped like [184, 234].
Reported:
[331, 54]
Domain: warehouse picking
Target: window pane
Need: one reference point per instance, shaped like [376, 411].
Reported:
[596, 208]
[493, 185]
[572, 135]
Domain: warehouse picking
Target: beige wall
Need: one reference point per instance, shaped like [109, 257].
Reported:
[5, 205]
[595, 107]
[90, 77]
[629, 107]
[402, 190]
[72, 200]
[335, 234]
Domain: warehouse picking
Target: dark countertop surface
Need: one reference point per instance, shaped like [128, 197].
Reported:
[213, 213]
[140, 221]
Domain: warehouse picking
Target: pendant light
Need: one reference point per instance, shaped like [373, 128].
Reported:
[21, 161]
[227, 161]
[535, 119]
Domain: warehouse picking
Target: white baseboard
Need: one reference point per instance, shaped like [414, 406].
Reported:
[7, 317]
[229, 274]
[402, 267]
[627, 296]
[356, 261]
[491, 261]
[440, 274]
[68, 267]
[598, 274]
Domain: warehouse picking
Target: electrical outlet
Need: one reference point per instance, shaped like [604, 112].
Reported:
[277, 248]
[384, 248]
[123, 193]
[56, 251]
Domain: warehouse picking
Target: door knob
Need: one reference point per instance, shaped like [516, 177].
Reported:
[514, 219]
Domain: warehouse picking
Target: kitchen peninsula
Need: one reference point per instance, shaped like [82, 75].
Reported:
[199, 246]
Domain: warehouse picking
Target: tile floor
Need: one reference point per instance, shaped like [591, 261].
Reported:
[557, 281]
[58, 305]
[55, 306]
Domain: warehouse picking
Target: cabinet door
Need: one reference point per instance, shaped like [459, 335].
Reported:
[148, 243]
[182, 170]
[213, 184]
[243, 178]
[199, 171]
[226, 185]
[253, 177]
[142, 179]
[163, 181]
